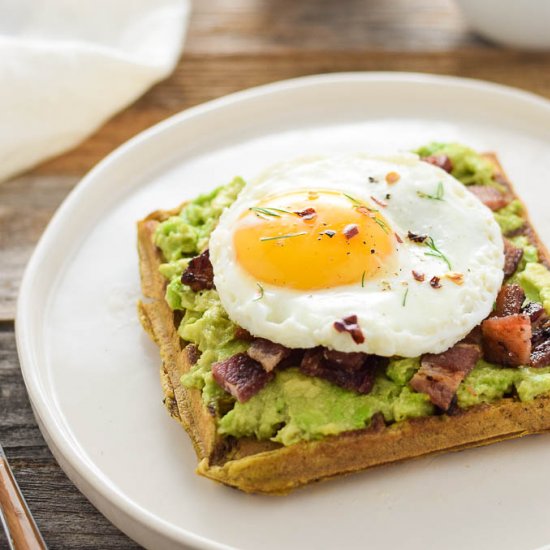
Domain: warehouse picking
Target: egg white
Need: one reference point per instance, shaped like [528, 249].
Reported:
[397, 314]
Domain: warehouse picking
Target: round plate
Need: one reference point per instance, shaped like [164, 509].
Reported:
[92, 373]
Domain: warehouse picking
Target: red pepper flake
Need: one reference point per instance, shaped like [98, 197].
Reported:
[416, 238]
[379, 202]
[434, 282]
[349, 324]
[307, 213]
[351, 230]
[418, 276]
[398, 238]
[456, 277]
[365, 211]
[392, 177]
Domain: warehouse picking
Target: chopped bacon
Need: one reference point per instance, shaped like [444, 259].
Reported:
[418, 276]
[398, 238]
[512, 257]
[349, 324]
[509, 300]
[540, 324]
[440, 374]
[307, 213]
[441, 161]
[435, 282]
[416, 238]
[507, 340]
[489, 196]
[243, 334]
[353, 371]
[473, 337]
[540, 356]
[351, 230]
[199, 274]
[379, 202]
[534, 310]
[268, 354]
[241, 376]
[192, 352]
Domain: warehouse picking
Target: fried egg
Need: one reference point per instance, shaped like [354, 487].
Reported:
[383, 255]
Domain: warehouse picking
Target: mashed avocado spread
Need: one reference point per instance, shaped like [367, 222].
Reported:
[295, 407]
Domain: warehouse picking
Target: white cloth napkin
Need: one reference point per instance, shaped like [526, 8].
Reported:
[66, 66]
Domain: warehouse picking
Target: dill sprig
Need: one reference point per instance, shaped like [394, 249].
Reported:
[438, 196]
[353, 200]
[289, 236]
[404, 302]
[268, 211]
[261, 292]
[435, 252]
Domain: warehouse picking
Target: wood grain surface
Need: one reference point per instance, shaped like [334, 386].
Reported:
[231, 45]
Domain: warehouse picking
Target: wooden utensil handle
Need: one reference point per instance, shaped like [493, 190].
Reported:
[20, 524]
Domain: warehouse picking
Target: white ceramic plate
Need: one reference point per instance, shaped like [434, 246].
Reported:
[92, 374]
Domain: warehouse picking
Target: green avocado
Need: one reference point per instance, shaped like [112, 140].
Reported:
[510, 217]
[535, 280]
[294, 407]
[469, 167]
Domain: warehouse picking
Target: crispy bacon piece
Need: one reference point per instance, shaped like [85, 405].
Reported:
[243, 334]
[489, 196]
[351, 230]
[398, 238]
[540, 356]
[441, 161]
[268, 354]
[192, 352]
[349, 324]
[418, 276]
[440, 374]
[435, 282]
[512, 257]
[353, 371]
[534, 310]
[199, 274]
[307, 213]
[540, 324]
[416, 238]
[507, 340]
[241, 376]
[509, 300]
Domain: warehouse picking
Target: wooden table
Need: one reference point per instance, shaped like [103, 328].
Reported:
[230, 45]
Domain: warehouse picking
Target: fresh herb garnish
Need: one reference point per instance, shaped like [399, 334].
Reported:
[438, 196]
[404, 302]
[363, 279]
[382, 224]
[435, 252]
[261, 292]
[354, 201]
[268, 211]
[289, 236]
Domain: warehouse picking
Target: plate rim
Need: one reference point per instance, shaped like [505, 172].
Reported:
[134, 520]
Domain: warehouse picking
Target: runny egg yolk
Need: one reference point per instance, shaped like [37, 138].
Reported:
[312, 240]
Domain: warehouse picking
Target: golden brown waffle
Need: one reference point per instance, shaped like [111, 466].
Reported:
[267, 467]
